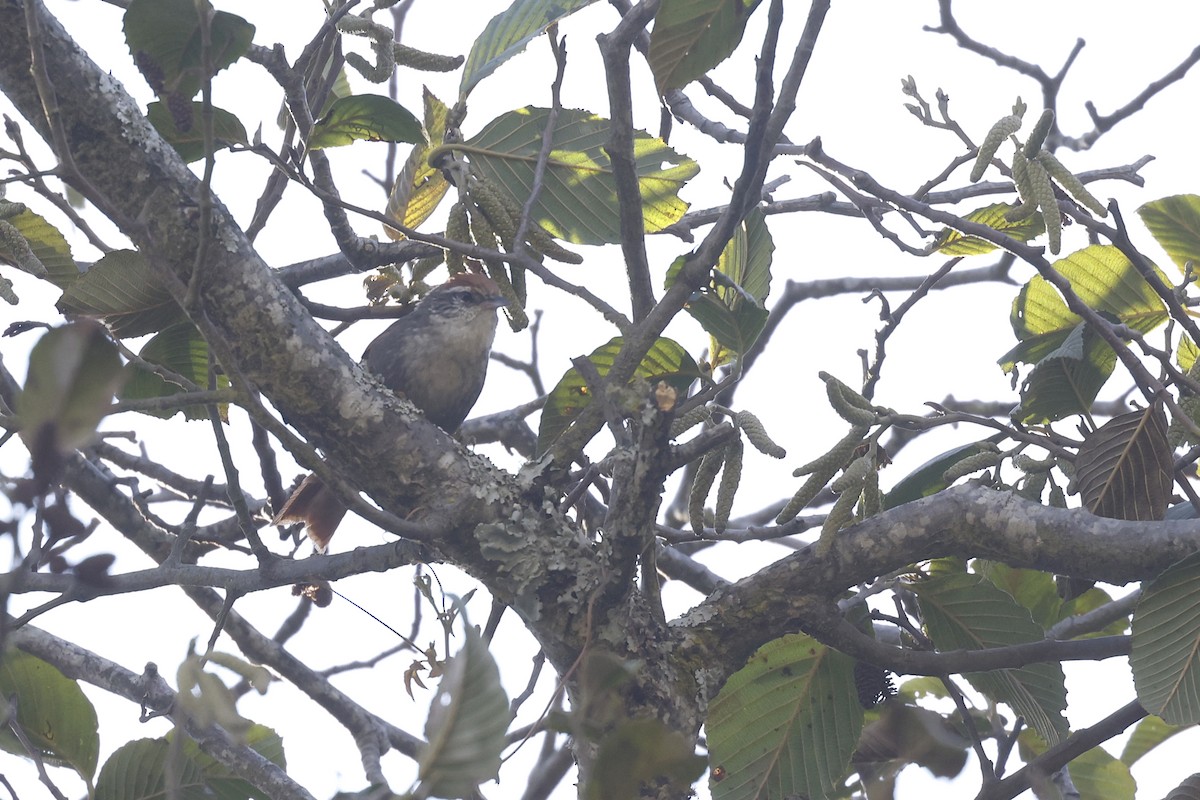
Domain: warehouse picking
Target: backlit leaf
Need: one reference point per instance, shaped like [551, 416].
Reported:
[952, 243]
[666, 360]
[507, 34]
[1147, 735]
[690, 37]
[578, 201]
[731, 307]
[419, 188]
[1174, 222]
[48, 244]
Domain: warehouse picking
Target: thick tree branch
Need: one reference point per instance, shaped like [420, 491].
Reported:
[966, 522]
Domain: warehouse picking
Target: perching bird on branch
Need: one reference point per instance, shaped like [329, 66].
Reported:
[437, 357]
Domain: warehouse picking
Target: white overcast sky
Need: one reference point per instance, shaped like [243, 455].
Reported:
[852, 99]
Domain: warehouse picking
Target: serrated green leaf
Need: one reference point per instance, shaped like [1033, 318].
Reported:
[47, 244]
[52, 711]
[1104, 279]
[966, 612]
[227, 130]
[419, 187]
[181, 349]
[73, 372]
[507, 34]
[690, 37]
[372, 117]
[786, 724]
[1166, 644]
[1073, 362]
[928, 479]
[1174, 222]
[1125, 469]
[731, 307]
[138, 771]
[1147, 735]
[123, 291]
[578, 201]
[1067, 380]
[164, 36]
[1033, 590]
[952, 243]
[666, 360]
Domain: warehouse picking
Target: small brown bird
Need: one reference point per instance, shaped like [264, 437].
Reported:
[437, 357]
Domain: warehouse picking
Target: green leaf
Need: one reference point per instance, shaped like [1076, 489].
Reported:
[419, 187]
[786, 724]
[1125, 469]
[1185, 354]
[1149, 734]
[52, 711]
[1174, 222]
[365, 116]
[1188, 789]
[123, 290]
[578, 201]
[690, 37]
[1098, 774]
[1033, 590]
[73, 372]
[1166, 644]
[466, 724]
[638, 751]
[164, 38]
[952, 243]
[927, 479]
[227, 130]
[507, 34]
[966, 612]
[731, 307]
[47, 244]
[1067, 380]
[666, 360]
[181, 349]
[138, 771]
[1104, 279]
[218, 778]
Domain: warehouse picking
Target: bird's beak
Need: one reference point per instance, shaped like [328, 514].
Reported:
[495, 301]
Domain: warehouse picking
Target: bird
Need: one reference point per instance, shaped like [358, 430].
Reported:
[437, 357]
